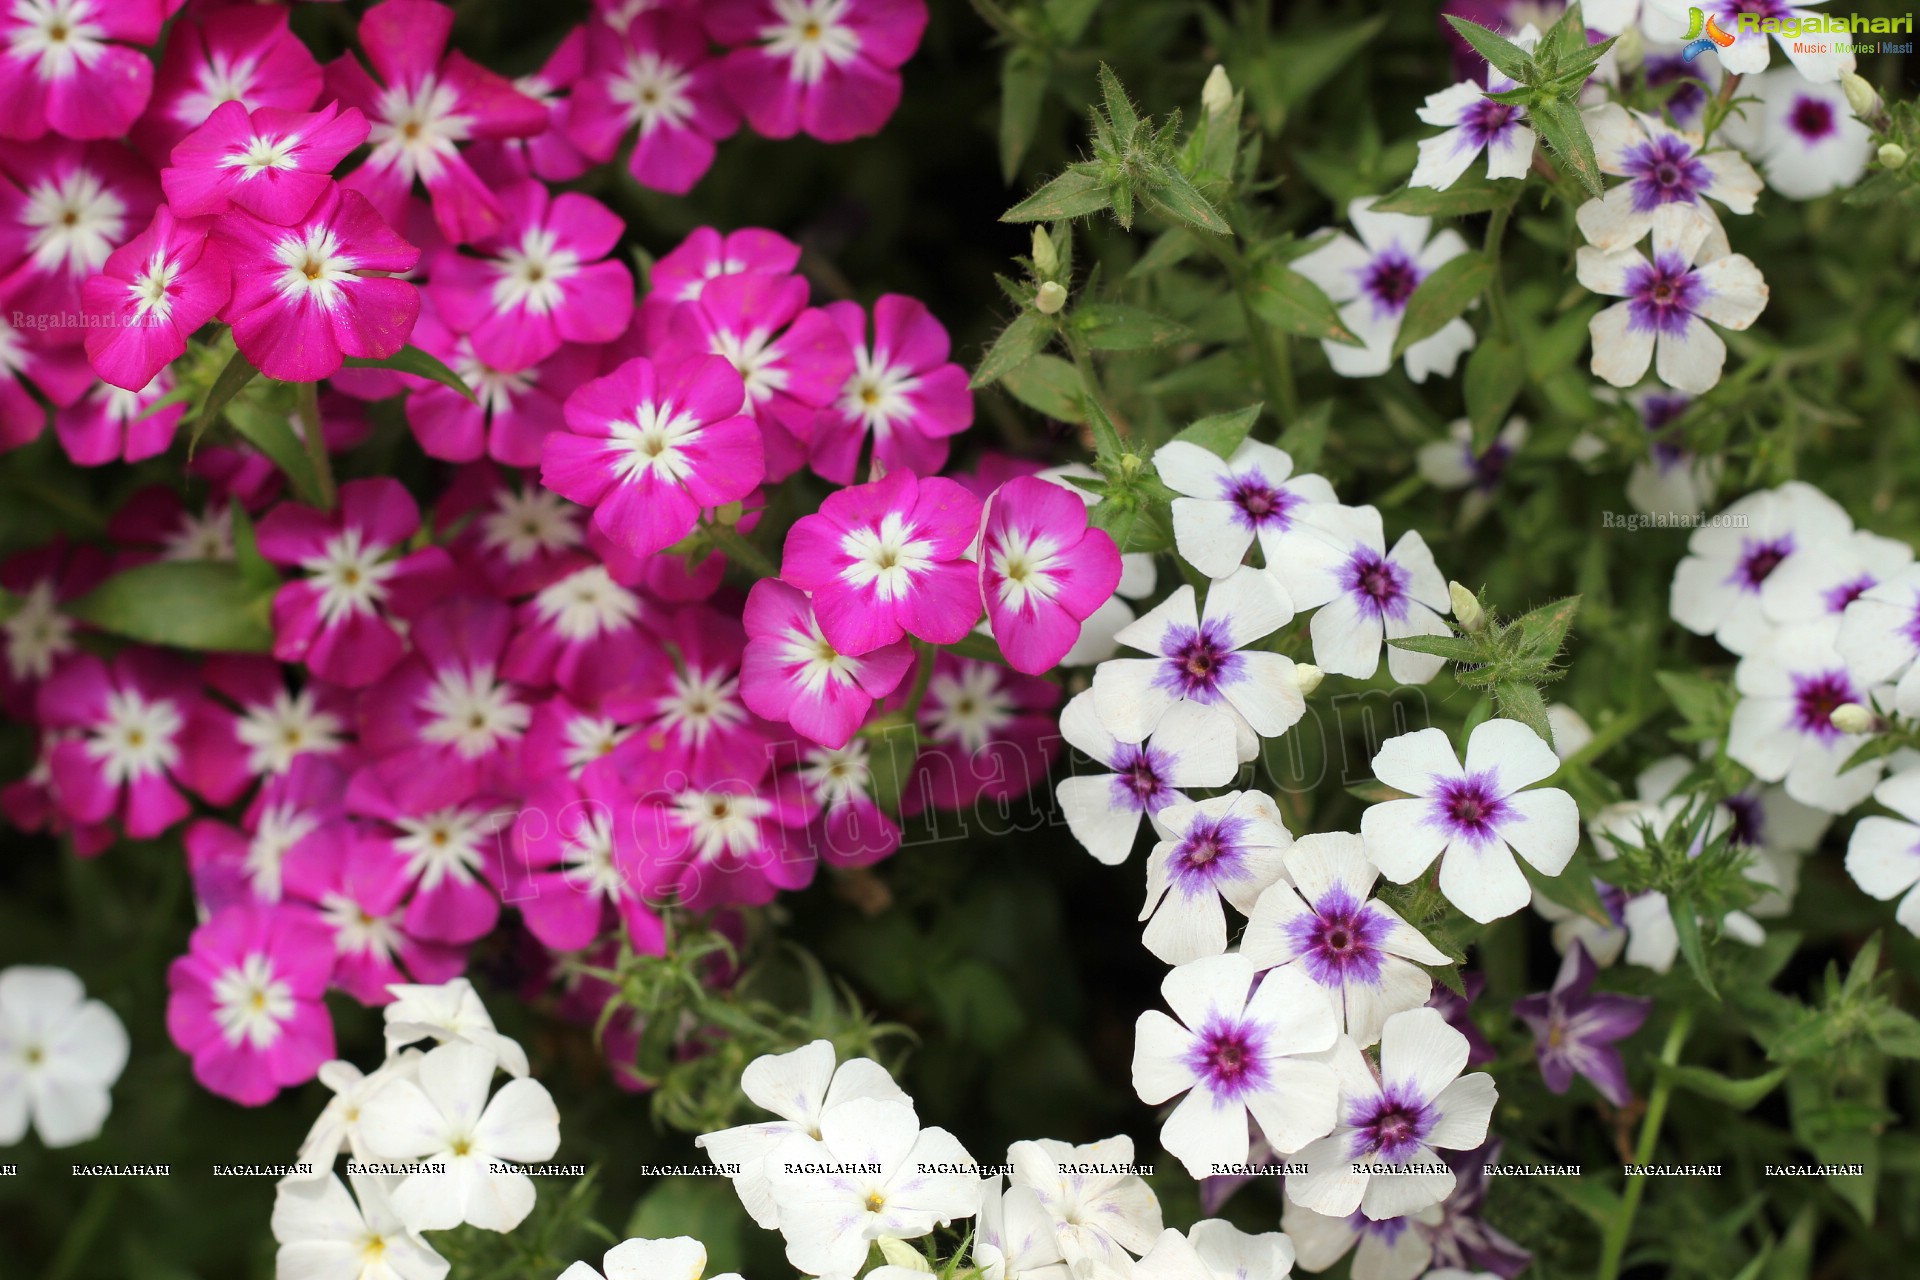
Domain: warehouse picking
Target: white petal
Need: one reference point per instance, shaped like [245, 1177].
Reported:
[1545, 830]
[1210, 535]
[1465, 1107]
[1621, 352]
[1249, 603]
[1421, 1053]
[1401, 837]
[1106, 829]
[1160, 1049]
[319, 1209]
[1418, 762]
[680, 1258]
[1512, 752]
[1129, 702]
[1483, 880]
[1192, 470]
[1205, 1130]
[521, 1124]
[1737, 292]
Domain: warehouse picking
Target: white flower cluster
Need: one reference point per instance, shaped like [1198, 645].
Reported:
[430, 1145]
[60, 1054]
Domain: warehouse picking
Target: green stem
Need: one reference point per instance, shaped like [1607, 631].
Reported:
[1717, 110]
[729, 543]
[1270, 349]
[80, 1236]
[1613, 1244]
[307, 400]
[1497, 286]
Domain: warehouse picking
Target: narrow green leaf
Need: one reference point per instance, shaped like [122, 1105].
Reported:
[1119, 106]
[1296, 305]
[1171, 194]
[1306, 436]
[1452, 648]
[237, 373]
[1376, 792]
[270, 430]
[1573, 888]
[890, 757]
[1308, 56]
[1441, 297]
[1565, 132]
[1517, 700]
[1221, 433]
[1472, 193]
[1069, 18]
[1555, 348]
[1496, 371]
[1686, 924]
[1077, 191]
[1023, 88]
[1544, 630]
[1017, 343]
[254, 568]
[1742, 1095]
[1589, 1195]
[1495, 48]
[1048, 385]
[189, 604]
[420, 364]
[1120, 326]
[1168, 248]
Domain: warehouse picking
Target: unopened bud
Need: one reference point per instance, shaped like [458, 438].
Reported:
[1131, 463]
[1216, 95]
[1892, 155]
[1049, 298]
[1466, 608]
[1046, 259]
[1308, 677]
[900, 1254]
[1851, 717]
[1860, 95]
[729, 515]
[1629, 51]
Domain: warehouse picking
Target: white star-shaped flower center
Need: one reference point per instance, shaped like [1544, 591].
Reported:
[277, 731]
[208, 536]
[654, 443]
[837, 775]
[261, 153]
[74, 223]
[443, 844]
[280, 827]
[758, 367]
[58, 36]
[721, 823]
[522, 525]
[886, 557]
[137, 737]
[820, 664]
[589, 738]
[969, 709]
[418, 128]
[37, 633]
[700, 703]
[587, 603]
[1025, 563]
[250, 1003]
[814, 34]
[217, 80]
[589, 858]
[356, 931]
[472, 712]
[495, 389]
[350, 575]
[877, 393]
[151, 290]
[531, 273]
[653, 92]
[315, 267]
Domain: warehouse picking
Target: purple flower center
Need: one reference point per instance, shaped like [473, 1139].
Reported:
[1816, 697]
[1390, 280]
[1839, 597]
[1470, 809]
[1663, 294]
[1392, 1126]
[1340, 941]
[1136, 778]
[1758, 560]
[1228, 1059]
[1198, 661]
[1486, 121]
[1658, 413]
[1811, 118]
[1261, 504]
[1376, 584]
[1488, 468]
[1208, 853]
[1749, 820]
[1685, 101]
[1664, 170]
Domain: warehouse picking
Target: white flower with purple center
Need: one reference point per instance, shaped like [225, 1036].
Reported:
[1372, 278]
[1880, 638]
[1825, 586]
[1228, 503]
[1454, 463]
[1390, 1249]
[1473, 818]
[1717, 588]
[1883, 857]
[1671, 478]
[1235, 1055]
[1669, 302]
[1103, 810]
[1804, 136]
[1473, 123]
[1664, 168]
[1360, 951]
[1217, 1250]
[1417, 1102]
[1782, 728]
[1224, 847]
[1204, 658]
[1366, 593]
[1096, 1218]
[1822, 59]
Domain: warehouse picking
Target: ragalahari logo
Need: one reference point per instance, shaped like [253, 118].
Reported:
[1702, 35]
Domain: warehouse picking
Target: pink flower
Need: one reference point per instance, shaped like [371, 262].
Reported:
[247, 56]
[578, 865]
[828, 68]
[648, 448]
[989, 732]
[258, 728]
[734, 842]
[274, 164]
[336, 619]
[296, 810]
[152, 293]
[64, 209]
[576, 629]
[59, 70]
[545, 279]
[516, 411]
[790, 673]
[903, 392]
[245, 1001]
[704, 255]
[359, 888]
[517, 535]
[29, 360]
[109, 424]
[448, 844]
[850, 830]
[36, 635]
[689, 715]
[656, 77]
[887, 559]
[30, 803]
[426, 103]
[129, 719]
[301, 301]
[549, 155]
[567, 734]
[789, 375]
[1042, 571]
[154, 524]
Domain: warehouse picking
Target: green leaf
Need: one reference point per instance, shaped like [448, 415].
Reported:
[254, 568]
[1019, 342]
[1452, 648]
[1168, 248]
[1069, 18]
[705, 1208]
[1518, 700]
[1565, 132]
[1572, 888]
[1473, 193]
[420, 364]
[237, 373]
[1557, 346]
[1742, 1095]
[1496, 371]
[1705, 704]
[1023, 88]
[189, 604]
[1441, 297]
[1544, 630]
[1050, 386]
[890, 757]
[1686, 924]
[1376, 792]
[1588, 1195]
[1119, 106]
[1120, 326]
[1221, 433]
[1171, 194]
[1308, 56]
[1296, 305]
[1078, 191]
[1495, 48]
[270, 430]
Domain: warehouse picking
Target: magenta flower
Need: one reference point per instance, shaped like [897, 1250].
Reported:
[705, 254]
[426, 103]
[127, 751]
[245, 1001]
[249, 56]
[336, 619]
[654, 80]
[1043, 571]
[258, 728]
[65, 67]
[689, 715]
[649, 447]
[579, 865]
[789, 375]
[360, 890]
[109, 424]
[903, 392]
[736, 842]
[447, 843]
[28, 360]
[792, 674]
[512, 533]
[567, 734]
[1576, 1029]
[577, 630]
[151, 294]
[248, 864]
[849, 829]
[274, 164]
[516, 411]
[827, 68]
[988, 731]
[302, 299]
[36, 635]
[64, 208]
[549, 155]
[545, 279]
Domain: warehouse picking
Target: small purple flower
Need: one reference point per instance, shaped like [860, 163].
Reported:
[1576, 1029]
[1460, 1239]
[1229, 847]
[1663, 295]
[1458, 1011]
[1104, 810]
[1369, 594]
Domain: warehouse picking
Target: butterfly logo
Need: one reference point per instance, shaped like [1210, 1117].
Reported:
[1702, 35]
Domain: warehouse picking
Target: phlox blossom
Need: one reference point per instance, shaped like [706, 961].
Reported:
[1103, 811]
[152, 293]
[1226, 504]
[127, 754]
[1367, 593]
[655, 80]
[1224, 847]
[827, 68]
[791, 673]
[60, 1053]
[1664, 168]
[247, 55]
[1720, 588]
[1472, 123]
[324, 1234]
[1043, 571]
[67, 68]
[274, 164]
[904, 392]
[1883, 856]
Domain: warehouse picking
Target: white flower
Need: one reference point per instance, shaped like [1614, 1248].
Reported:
[1805, 136]
[1014, 1239]
[1665, 170]
[678, 1258]
[1095, 1219]
[1228, 503]
[1223, 847]
[1367, 593]
[1216, 1250]
[1373, 278]
[1237, 1056]
[1396, 1249]
[831, 1201]
[1473, 818]
[1825, 586]
[1717, 589]
[1883, 857]
[324, 1235]
[1323, 923]
[1669, 300]
[1103, 810]
[1815, 57]
[1418, 1101]
[1453, 463]
[1880, 637]
[1571, 732]
[60, 1053]
[338, 1127]
[800, 1087]
[449, 1012]
[1670, 479]
[445, 1117]
[1783, 729]
[1204, 660]
[1474, 122]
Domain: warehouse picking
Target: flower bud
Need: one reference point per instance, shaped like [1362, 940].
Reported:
[1046, 259]
[729, 515]
[1630, 51]
[1466, 608]
[1308, 677]
[1050, 297]
[1860, 95]
[1216, 95]
[1892, 155]
[1851, 717]
[900, 1254]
